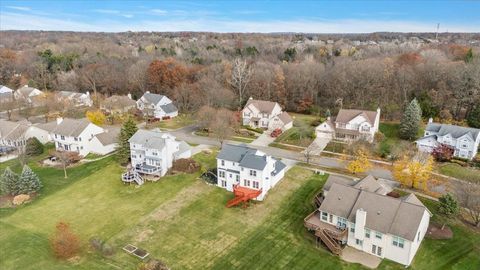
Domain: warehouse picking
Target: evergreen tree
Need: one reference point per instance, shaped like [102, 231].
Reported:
[410, 123]
[473, 118]
[128, 129]
[34, 147]
[29, 181]
[9, 182]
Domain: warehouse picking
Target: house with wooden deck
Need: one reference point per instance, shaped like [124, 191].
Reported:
[362, 216]
[241, 169]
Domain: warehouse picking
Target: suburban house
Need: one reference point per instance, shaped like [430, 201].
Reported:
[118, 104]
[248, 168]
[16, 134]
[361, 216]
[75, 98]
[4, 89]
[158, 106]
[350, 125]
[153, 152]
[464, 140]
[28, 94]
[265, 114]
[79, 135]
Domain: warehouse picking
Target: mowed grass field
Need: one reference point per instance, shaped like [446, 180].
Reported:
[183, 222]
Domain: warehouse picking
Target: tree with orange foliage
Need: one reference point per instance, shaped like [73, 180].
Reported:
[165, 75]
[409, 59]
[414, 172]
[65, 244]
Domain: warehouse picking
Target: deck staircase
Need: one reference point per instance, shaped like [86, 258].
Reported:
[243, 195]
[133, 177]
[331, 238]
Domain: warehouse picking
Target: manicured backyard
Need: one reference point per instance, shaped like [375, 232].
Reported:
[183, 221]
[457, 171]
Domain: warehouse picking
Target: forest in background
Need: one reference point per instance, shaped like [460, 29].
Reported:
[306, 73]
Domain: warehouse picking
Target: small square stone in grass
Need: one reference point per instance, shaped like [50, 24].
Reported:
[142, 254]
[130, 248]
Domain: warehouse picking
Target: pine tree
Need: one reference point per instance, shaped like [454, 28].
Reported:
[128, 129]
[34, 147]
[410, 123]
[29, 181]
[473, 118]
[9, 182]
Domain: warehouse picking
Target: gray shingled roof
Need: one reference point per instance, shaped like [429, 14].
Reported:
[253, 161]
[455, 131]
[279, 166]
[13, 130]
[345, 115]
[234, 153]
[71, 127]
[153, 98]
[148, 138]
[169, 108]
[385, 214]
[49, 127]
[337, 179]
[285, 117]
[110, 136]
[246, 157]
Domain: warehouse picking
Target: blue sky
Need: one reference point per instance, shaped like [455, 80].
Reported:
[242, 16]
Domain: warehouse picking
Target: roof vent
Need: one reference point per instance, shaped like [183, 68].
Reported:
[378, 212]
[339, 198]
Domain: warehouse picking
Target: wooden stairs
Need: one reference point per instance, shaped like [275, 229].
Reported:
[331, 238]
[133, 176]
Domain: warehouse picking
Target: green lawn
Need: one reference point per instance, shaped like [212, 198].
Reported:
[457, 171]
[303, 131]
[182, 120]
[183, 222]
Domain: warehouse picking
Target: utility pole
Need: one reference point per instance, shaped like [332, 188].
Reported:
[436, 33]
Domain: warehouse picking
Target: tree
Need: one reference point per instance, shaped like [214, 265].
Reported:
[126, 132]
[7, 105]
[473, 118]
[410, 123]
[289, 54]
[97, 117]
[67, 158]
[9, 182]
[222, 125]
[413, 172]
[166, 75]
[65, 244]
[34, 147]
[29, 181]
[443, 152]
[240, 77]
[468, 195]
[359, 164]
[448, 205]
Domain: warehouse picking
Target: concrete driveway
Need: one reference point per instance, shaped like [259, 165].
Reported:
[263, 140]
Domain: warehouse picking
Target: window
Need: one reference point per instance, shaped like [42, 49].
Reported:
[155, 153]
[330, 218]
[378, 235]
[398, 242]
[56, 136]
[374, 249]
[221, 174]
[133, 156]
[367, 233]
[359, 242]
[352, 228]
[62, 137]
[230, 175]
[80, 139]
[253, 173]
[75, 138]
[341, 222]
[237, 178]
[223, 162]
[224, 183]
[418, 237]
[246, 182]
[255, 184]
[379, 251]
[324, 216]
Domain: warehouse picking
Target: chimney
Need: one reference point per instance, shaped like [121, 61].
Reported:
[360, 220]
[250, 98]
[129, 96]
[148, 92]
[430, 120]
[378, 110]
[59, 120]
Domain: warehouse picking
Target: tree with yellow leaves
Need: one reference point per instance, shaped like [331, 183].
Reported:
[360, 163]
[413, 172]
[97, 117]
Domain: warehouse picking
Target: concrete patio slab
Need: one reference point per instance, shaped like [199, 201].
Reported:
[352, 255]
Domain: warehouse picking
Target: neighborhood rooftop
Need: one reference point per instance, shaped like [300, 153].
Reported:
[396, 216]
[455, 131]
[262, 105]
[151, 139]
[71, 127]
[153, 98]
[345, 115]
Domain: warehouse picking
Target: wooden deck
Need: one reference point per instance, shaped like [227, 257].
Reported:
[330, 235]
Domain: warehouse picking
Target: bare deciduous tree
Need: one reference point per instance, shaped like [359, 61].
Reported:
[240, 77]
[469, 197]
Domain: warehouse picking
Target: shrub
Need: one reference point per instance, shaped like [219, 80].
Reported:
[96, 243]
[257, 130]
[107, 249]
[448, 205]
[384, 150]
[65, 244]
[34, 147]
[443, 152]
[379, 137]
[21, 199]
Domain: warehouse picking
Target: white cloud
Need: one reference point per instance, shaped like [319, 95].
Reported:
[158, 11]
[16, 21]
[106, 11]
[19, 8]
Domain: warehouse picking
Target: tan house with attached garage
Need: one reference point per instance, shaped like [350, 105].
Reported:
[360, 215]
[265, 114]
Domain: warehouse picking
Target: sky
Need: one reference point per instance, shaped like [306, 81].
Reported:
[241, 16]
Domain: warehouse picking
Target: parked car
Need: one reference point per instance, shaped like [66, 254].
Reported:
[276, 133]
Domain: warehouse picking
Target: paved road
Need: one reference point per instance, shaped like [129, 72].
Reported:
[186, 134]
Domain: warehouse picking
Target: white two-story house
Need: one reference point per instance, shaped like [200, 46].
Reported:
[80, 135]
[247, 167]
[153, 152]
[158, 106]
[15, 134]
[75, 98]
[265, 114]
[464, 140]
[370, 221]
[351, 125]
